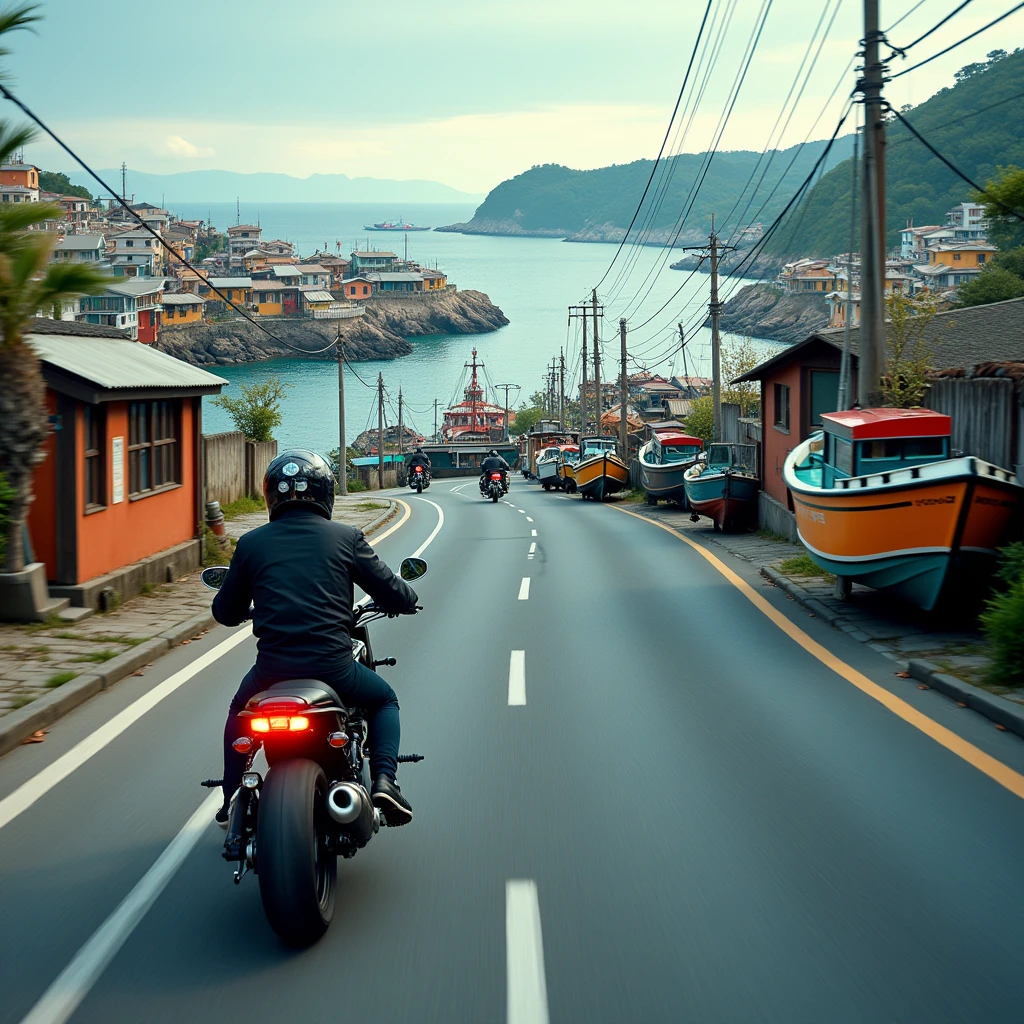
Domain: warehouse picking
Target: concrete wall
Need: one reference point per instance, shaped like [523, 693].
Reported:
[258, 455]
[775, 517]
[224, 466]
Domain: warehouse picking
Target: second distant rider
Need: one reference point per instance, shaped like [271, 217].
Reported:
[494, 463]
[417, 458]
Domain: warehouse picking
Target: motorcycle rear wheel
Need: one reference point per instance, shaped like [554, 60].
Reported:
[297, 872]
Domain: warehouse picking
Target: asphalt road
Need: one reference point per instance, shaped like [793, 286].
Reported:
[663, 809]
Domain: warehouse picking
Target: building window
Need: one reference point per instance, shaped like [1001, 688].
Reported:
[95, 467]
[956, 256]
[981, 257]
[153, 460]
[128, 243]
[782, 407]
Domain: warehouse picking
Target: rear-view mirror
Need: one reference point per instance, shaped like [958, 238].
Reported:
[214, 576]
[412, 569]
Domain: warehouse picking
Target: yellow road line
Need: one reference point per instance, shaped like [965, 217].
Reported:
[993, 768]
[401, 522]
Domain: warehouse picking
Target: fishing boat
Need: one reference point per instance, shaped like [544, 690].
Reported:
[547, 466]
[663, 461]
[723, 484]
[393, 225]
[567, 468]
[600, 471]
[880, 500]
[544, 435]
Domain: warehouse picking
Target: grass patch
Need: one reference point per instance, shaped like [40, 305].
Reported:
[98, 656]
[20, 701]
[355, 486]
[638, 494]
[243, 507]
[765, 534]
[103, 638]
[147, 589]
[804, 565]
[60, 679]
[40, 627]
[368, 506]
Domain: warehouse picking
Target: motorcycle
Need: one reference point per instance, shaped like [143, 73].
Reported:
[289, 826]
[495, 488]
[419, 479]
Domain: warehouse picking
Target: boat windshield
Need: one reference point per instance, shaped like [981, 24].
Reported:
[592, 446]
[739, 457]
[679, 452]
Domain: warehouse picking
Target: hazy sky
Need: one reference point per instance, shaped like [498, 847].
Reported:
[467, 92]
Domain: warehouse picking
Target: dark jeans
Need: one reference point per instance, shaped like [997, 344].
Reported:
[354, 683]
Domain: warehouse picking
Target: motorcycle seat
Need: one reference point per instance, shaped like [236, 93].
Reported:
[311, 691]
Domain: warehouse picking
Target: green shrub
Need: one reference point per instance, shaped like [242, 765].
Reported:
[257, 410]
[6, 497]
[60, 679]
[354, 486]
[1002, 621]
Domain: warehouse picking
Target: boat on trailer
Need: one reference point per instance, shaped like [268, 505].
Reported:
[600, 471]
[723, 484]
[550, 462]
[882, 500]
[663, 462]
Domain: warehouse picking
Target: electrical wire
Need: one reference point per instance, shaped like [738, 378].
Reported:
[936, 27]
[8, 95]
[942, 53]
[358, 378]
[956, 170]
[902, 18]
[668, 131]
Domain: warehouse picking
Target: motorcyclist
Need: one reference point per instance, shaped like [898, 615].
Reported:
[297, 572]
[493, 463]
[417, 458]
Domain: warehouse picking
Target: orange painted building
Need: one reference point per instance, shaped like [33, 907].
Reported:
[23, 175]
[357, 288]
[121, 480]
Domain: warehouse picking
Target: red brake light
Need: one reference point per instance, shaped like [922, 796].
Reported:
[419, 469]
[243, 744]
[495, 476]
[280, 723]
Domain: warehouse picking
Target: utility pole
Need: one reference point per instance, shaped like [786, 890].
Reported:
[872, 224]
[682, 349]
[124, 181]
[623, 393]
[716, 341]
[506, 388]
[561, 389]
[401, 424]
[581, 313]
[380, 431]
[342, 462]
[435, 421]
[597, 365]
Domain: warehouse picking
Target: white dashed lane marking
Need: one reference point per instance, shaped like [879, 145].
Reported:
[527, 994]
[517, 679]
[524, 589]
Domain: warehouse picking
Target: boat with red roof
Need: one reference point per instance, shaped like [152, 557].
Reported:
[881, 499]
[664, 459]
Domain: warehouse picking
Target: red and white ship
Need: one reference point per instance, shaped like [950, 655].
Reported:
[473, 419]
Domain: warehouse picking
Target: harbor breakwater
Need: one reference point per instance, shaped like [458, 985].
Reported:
[382, 332]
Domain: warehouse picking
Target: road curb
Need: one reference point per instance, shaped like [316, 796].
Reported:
[382, 518]
[45, 710]
[998, 709]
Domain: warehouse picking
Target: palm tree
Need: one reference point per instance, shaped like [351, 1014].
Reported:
[29, 282]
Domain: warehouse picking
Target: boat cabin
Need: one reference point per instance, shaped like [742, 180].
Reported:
[733, 458]
[675, 447]
[590, 446]
[859, 442]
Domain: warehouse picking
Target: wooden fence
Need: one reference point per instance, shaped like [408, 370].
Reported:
[988, 419]
[234, 467]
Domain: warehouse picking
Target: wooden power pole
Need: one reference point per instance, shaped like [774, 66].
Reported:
[342, 461]
[597, 367]
[380, 431]
[401, 425]
[561, 389]
[581, 313]
[623, 393]
[716, 340]
[871, 363]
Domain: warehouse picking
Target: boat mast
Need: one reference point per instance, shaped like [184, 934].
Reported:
[597, 368]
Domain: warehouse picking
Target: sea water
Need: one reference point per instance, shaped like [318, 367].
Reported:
[533, 280]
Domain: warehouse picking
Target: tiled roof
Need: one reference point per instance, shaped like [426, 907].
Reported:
[957, 337]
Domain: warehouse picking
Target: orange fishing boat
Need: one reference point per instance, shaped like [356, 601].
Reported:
[880, 500]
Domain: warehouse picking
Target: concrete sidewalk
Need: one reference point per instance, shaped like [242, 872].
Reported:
[46, 667]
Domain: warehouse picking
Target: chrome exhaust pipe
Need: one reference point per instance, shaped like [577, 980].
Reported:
[345, 802]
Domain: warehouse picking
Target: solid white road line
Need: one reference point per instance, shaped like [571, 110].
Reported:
[436, 530]
[527, 994]
[72, 985]
[517, 679]
[39, 785]
[533, 533]
[533, 546]
[524, 589]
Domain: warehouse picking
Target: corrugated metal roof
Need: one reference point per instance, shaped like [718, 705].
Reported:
[182, 299]
[231, 282]
[80, 242]
[318, 296]
[286, 271]
[113, 363]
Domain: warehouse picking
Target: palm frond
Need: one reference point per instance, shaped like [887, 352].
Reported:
[18, 217]
[13, 137]
[64, 280]
[21, 16]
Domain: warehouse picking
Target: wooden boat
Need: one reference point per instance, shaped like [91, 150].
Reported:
[543, 435]
[547, 466]
[600, 471]
[664, 460]
[567, 468]
[880, 501]
[723, 485]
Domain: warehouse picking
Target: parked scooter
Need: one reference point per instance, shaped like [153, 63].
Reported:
[314, 802]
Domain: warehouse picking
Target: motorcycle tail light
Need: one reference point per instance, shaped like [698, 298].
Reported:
[298, 723]
[260, 724]
[280, 723]
[243, 744]
[337, 739]
[495, 476]
[419, 469]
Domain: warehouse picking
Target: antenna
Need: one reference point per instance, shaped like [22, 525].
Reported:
[238, 212]
[124, 180]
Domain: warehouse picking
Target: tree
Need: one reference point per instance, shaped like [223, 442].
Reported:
[1002, 194]
[909, 354]
[738, 358]
[257, 410]
[993, 284]
[57, 181]
[209, 245]
[700, 422]
[28, 283]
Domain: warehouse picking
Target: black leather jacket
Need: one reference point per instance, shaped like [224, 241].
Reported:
[299, 571]
[418, 459]
[493, 463]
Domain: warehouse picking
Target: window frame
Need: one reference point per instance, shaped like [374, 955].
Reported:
[150, 451]
[781, 391]
[94, 468]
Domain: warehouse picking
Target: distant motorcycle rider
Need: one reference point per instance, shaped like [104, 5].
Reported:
[297, 572]
[417, 458]
[493, 463]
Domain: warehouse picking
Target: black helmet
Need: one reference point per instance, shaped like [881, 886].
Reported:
[419, 450]
[299, 477]
[493, 453]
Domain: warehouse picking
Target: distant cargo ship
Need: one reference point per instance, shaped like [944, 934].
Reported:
[392, 225]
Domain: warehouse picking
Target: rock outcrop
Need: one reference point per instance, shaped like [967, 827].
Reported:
[761, 311]
[380, 333]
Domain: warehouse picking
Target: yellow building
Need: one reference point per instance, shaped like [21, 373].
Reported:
[236, 289]
[268, 297]
[434, 280]
[961, 255]
[182, 308]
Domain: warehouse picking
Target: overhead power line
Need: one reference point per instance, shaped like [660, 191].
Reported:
[942, 53]
[936, 27]
[956, 170]
[8, 95]
[903, 17]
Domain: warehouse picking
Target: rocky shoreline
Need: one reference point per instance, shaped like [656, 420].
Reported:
[380, 333]
[760, 311]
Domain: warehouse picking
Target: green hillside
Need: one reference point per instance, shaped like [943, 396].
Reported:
[978, 125]
[552, 198]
